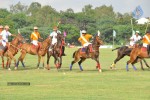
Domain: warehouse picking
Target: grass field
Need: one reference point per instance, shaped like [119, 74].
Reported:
[76, 85]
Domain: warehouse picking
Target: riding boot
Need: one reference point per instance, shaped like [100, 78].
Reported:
[148, 50]
[5, 49]
[87, 51]
[63, 51]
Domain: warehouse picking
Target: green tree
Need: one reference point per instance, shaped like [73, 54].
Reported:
[18, 8]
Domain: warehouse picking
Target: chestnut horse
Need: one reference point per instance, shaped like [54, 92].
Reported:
[56, 52]
[137, 54]
[77, 55]
[40, 50]
[12, 50]
[124, 51]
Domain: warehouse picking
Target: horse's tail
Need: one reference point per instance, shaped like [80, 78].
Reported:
[74, 54]
[116, 48]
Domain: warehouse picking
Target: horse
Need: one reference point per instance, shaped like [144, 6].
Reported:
[56, 52]
[12, 50]
[78, 55]
[136, 55]
[39, 50]
[125, 51]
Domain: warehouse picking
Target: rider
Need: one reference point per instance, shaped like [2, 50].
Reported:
[84, 40]
[5, 33]
[54, 39]
[35, 36]
[135, 38]
[146, 41]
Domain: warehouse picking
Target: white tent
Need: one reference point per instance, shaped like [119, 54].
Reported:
[142, 21]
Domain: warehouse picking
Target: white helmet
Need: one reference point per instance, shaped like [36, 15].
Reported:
[137, 32]
[35, 28]
[83, 31]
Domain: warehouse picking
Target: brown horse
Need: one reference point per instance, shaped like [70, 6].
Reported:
[12, 50]
[56, 52]
[125, 51]
[40, 50]
[77, 55]
[136, 55]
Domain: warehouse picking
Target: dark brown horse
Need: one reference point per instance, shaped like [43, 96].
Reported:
[77, 55]
[136, 55]
[124, 51]
[56, 52]
[12, 50]
[40, 50]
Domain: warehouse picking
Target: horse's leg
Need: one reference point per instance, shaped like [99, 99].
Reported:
[98, 64]
[76, 59]
[137, 60]
[81, 60]
[146, 63]
[10, 58]
[43, 61]
[7, 62]
[141, 65]
[133, 59]
[39, 59]
[23, 53]
[48, 58]
[116, 60]
[60, 61]
[2, 61]
[22, 57]
[56, 60]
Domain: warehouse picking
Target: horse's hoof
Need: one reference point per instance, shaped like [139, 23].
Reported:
[16, 68]
[9, 69]
[100, 70]
[38, 68]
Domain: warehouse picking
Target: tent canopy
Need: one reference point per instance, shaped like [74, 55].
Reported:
[142, 21]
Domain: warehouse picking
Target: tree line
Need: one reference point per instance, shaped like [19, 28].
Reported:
[103, 18]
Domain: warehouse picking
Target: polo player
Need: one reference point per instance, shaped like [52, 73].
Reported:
[84, 40]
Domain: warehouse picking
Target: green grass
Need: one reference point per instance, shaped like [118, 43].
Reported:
[76, 85]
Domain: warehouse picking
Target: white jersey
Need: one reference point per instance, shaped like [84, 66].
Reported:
[54, 36]
[134, 39]
[5, 35]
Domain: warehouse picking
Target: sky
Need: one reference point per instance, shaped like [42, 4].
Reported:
[122, 6]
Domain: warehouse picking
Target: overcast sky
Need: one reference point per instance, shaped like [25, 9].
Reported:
[121, 6]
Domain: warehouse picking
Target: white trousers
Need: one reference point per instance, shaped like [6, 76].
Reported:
[4, 42]
[35, 42]
[86, 44]
[144, 45]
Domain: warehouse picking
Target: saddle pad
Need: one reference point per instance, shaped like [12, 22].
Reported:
[82, 50]
[1, 47]
[144, 49]
[34, 46]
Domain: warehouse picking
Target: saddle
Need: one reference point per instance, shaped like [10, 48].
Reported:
[89, 47]
[144, 49]
[37, 46]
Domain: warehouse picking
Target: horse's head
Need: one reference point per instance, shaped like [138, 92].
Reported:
[60, 37]
[20, 38]
[97, 40]
[48, 40]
